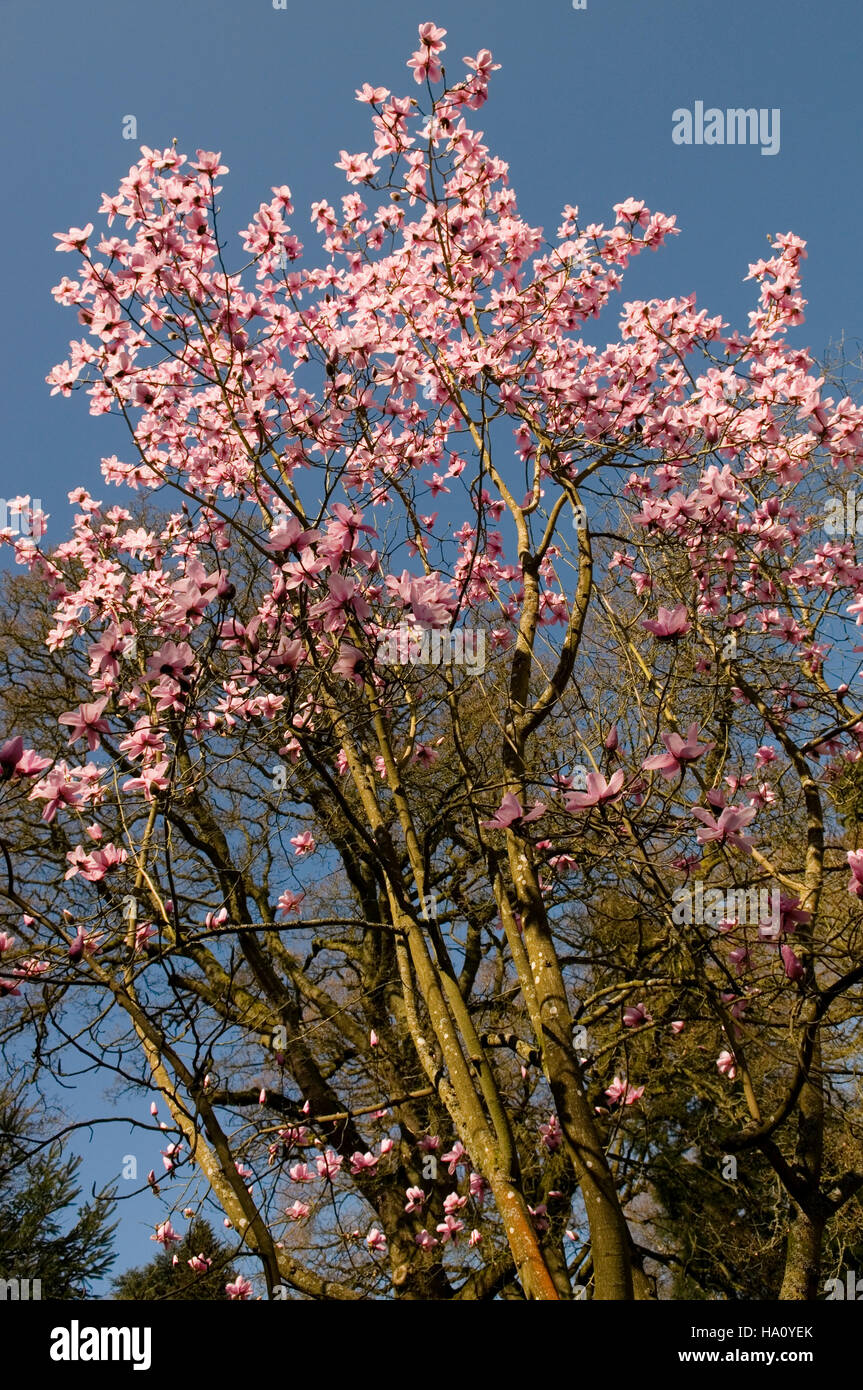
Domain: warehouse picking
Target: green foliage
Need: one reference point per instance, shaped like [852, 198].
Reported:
[37, 1188]
[161, 1278]
[848, 795]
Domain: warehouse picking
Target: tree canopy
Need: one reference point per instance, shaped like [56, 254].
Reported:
[427, 782]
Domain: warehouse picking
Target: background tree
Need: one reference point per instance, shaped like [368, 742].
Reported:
[169, 1275]
[45, 1233]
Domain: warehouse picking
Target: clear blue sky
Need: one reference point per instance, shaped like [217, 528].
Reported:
[581, 110]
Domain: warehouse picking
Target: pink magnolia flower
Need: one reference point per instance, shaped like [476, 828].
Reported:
[551, 1133]
[449, 1229]
[511, 812]
[95, 866]
[429, 597]
[424, 61]
[632, 211]
[453, 1202]
[855, 864]
[679, 751]
[540, 1217]
[677, 1026]
[357, 167]
[635, 1016]
[373, 95]
[83, 942]
[376, 1241]
[791, 916]
[29, 764]
[31, 969]
[170, 1156]
[288, 534]
[289, 902]
[416, 1198]
[87, 722]
[328, 1164]
[598, 792]
[73, 240]
[343, 597]
[143, 935]
[456, 1157]
[725, 1064]
[669, 623]
[477, 1186]
[240, 1289]
[349, 659]
[303, 843]
[152, 776]
[432, 37]
[425, 1240]
[620, 1090]
[10, 756]
[738, 1005]
[300, 1172]
[475, 1237]
[298, 1211]
[165, 1234]
[199, 1263]
[343, 531]
[209, 163]
[363, 1163]
[793, 968]
[726, 829]
[295, 1134]
[172, 659]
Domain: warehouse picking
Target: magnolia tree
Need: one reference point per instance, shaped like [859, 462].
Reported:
[435, 805]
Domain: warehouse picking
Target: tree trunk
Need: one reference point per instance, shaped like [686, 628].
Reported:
[802, 1257]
